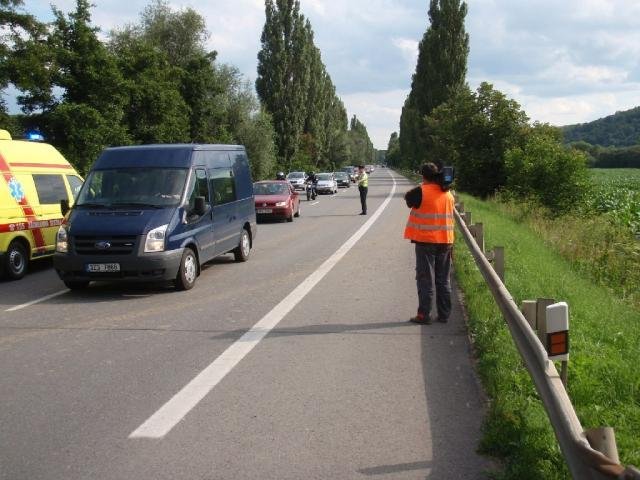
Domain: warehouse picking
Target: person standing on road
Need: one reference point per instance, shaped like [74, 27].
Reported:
[430, 228]
[363, 187]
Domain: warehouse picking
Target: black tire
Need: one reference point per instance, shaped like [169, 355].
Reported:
[242, 251]
[76, 284]
[16, 260]
[298, 212]
[308, 195]
[188, 271]
[290, 217]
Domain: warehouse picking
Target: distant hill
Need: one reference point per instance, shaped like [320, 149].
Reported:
[621, 129]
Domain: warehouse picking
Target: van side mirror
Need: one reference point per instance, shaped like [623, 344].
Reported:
[64, 206]
[199, 206]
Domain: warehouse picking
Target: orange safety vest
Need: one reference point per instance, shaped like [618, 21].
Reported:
[433, 221]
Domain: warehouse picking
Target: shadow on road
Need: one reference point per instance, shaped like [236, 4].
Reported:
[324, 329]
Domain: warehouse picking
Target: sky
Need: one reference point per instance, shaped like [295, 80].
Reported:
[564, 61]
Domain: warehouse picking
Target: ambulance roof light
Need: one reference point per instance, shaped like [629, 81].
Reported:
[34, 136]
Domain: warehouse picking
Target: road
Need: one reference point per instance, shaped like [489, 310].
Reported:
[304, 363]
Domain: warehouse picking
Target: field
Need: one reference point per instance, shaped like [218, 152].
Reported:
[616, 193]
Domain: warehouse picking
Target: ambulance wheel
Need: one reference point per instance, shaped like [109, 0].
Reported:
[188, 271]
[16, 260]
[76, 284]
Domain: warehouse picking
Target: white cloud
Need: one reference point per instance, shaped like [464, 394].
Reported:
[565, 62]
[379, 111]
[409, 49]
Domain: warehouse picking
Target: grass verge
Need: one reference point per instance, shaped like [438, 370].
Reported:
[604, 386]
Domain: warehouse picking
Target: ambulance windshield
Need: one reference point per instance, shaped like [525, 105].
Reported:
[133, 187]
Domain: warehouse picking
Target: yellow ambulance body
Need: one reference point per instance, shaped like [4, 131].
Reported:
[34, 178]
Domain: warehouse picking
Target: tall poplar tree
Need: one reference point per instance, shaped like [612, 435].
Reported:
[440, 71]
[283, 73]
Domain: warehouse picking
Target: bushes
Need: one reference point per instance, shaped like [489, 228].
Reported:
[547, 172]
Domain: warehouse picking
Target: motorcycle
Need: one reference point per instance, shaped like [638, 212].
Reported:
[310, 187]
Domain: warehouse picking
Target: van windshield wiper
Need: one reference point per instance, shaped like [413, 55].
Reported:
[135, 204]
[92, 205]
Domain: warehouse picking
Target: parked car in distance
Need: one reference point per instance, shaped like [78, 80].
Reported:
[369, 169]
[350, 170]
[157, 213]
[343, 179]
[326, 183]
[34, 179]
[297, 179]
[276, 199]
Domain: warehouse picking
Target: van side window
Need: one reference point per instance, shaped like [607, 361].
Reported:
[75, 183]
[50, 188]
[200, 187]
[223, 186]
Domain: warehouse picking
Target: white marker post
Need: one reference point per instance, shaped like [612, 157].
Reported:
[557, 336]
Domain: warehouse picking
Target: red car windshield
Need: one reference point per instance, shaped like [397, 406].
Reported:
[270, 189]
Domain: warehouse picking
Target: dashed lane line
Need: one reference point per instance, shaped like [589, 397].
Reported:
[38, 300]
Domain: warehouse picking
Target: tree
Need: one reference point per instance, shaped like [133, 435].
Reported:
[392, 157]
[440, 71]
[89, 114]
[23, 58]
[283, 72]
[547, 172]
[472, 131]
[156, 111]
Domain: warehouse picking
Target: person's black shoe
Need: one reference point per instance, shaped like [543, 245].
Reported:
[363, 213]
[421, 319]
[443, 320]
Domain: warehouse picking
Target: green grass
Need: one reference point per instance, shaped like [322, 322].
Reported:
[604, 384]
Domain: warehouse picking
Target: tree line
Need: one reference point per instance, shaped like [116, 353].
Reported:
[484, 134]
[155, 81]
[312, 130]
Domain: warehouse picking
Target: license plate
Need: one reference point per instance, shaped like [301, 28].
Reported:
[264, 210]
[103, 267]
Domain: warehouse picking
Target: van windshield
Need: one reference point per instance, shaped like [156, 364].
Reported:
[143, 187]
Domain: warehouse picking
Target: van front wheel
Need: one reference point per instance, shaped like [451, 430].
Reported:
[241, 252]
[16, 260]
[188, 271]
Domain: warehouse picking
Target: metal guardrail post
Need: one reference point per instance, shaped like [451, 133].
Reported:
[583, 461]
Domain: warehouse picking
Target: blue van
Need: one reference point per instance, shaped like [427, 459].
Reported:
[157, 213]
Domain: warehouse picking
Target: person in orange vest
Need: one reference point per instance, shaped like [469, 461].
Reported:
[430, 228]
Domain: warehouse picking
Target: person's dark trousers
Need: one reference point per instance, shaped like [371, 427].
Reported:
[433, 261]
[363, 198]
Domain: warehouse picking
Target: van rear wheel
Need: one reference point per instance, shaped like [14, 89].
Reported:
[188, 271]
[241, 252]
[16, 260]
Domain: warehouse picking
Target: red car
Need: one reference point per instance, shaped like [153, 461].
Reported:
[276, 199]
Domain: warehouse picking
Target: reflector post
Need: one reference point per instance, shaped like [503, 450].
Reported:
[557, 334]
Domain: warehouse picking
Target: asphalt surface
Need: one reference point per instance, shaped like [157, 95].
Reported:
[343, 387]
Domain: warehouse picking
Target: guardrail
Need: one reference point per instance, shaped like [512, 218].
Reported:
[583, 458]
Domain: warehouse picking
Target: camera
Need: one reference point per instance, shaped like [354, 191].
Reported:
[447, 175]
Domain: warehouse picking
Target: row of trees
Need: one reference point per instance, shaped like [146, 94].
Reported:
[156, 82]
[609, 157]
[293, 84]
[484, 134]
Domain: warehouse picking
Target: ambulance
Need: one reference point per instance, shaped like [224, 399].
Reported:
[34, 179]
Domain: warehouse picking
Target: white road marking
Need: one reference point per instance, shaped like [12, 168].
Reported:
[172, 412]
[38, 300]
[314, 203]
